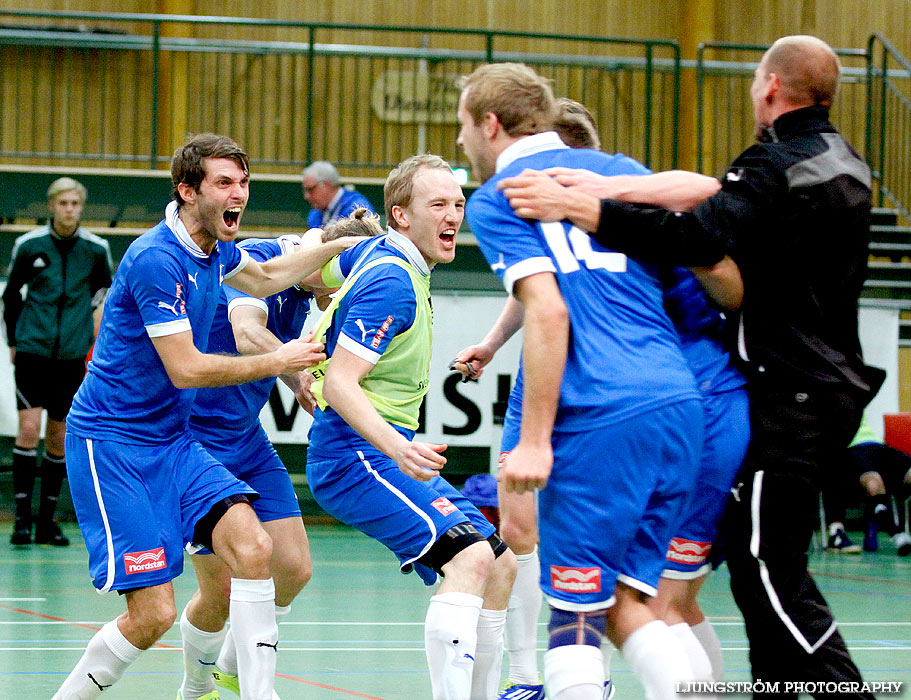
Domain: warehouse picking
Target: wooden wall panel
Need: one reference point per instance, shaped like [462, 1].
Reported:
[269, 116]
[844, 24]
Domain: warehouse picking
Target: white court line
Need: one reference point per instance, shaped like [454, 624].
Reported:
[99, 623]
[409, 624]
[22, 600]
[420, 649]
[840, 624]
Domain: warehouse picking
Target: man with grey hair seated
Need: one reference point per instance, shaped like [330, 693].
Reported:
[328, 200]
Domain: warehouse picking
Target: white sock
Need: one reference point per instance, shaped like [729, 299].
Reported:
[658, 659]
[106, 657]
[522, 619]
[227, 657]
[574, 672]
[488, 657]
[450, 640]
[708, 638]
[255, 636]
[700, 663]
[607, 650]
[200, 650]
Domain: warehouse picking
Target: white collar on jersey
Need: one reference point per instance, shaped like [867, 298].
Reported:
[528, 146]
[172, 219]
[409, 249]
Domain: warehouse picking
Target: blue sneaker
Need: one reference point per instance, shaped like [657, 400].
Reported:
[522, 691]
[840, 543]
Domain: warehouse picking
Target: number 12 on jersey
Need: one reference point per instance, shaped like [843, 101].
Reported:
[559, 239]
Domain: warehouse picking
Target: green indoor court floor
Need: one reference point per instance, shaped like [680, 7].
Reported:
[357, 629]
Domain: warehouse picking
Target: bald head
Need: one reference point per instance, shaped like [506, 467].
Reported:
[807, 68]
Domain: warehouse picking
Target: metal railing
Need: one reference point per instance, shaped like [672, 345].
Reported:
[888, 120]
[120, 89]
[724, 117]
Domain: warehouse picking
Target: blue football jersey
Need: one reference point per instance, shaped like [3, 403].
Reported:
[624, 356]
[348, 202]
[239, 406]
[700, 324]
[382, 297]
[165, 285]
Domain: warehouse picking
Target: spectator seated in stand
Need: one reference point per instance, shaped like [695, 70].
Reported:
[882, 472]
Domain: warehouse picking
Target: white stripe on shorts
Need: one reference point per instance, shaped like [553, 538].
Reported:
[109, 540]
[407, 501]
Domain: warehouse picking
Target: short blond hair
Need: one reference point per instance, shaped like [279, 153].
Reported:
[807, 67]
[65, 184]
[522, 100]
[575, 125]
[399, 187]
[361, 222]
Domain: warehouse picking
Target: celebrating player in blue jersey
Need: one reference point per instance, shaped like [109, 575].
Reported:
[611, 418]
[225, 420]
[698, 323]
[142, 487]
[364, 466]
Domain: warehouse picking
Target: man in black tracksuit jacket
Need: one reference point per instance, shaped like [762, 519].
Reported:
[49, 329]
[793, 214]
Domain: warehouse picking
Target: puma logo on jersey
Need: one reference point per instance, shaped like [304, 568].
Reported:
[281, 303]
[192, 279]
[499, 265]
[364, 331]
[734, 176]
[170, 307]
[273, 647]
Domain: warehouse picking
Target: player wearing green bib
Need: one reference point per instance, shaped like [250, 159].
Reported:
[363, 465]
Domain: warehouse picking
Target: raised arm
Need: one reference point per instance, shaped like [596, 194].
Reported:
[677, 190]
[266, 278]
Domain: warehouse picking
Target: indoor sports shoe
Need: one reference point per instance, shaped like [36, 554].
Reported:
[522, 691]
[609, 690]
[226, 681]
[51, 534]
[902, 542]
[208, 696]
[22, 533]
[841, 543]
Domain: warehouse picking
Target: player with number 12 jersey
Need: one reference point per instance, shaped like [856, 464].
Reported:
[623, 370]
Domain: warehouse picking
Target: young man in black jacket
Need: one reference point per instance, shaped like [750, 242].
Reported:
[61, 266]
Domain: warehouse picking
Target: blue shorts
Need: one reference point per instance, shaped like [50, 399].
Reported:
[248, 454]
[613, 502]
[138, 505]
[365, 489]
[727, 434]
